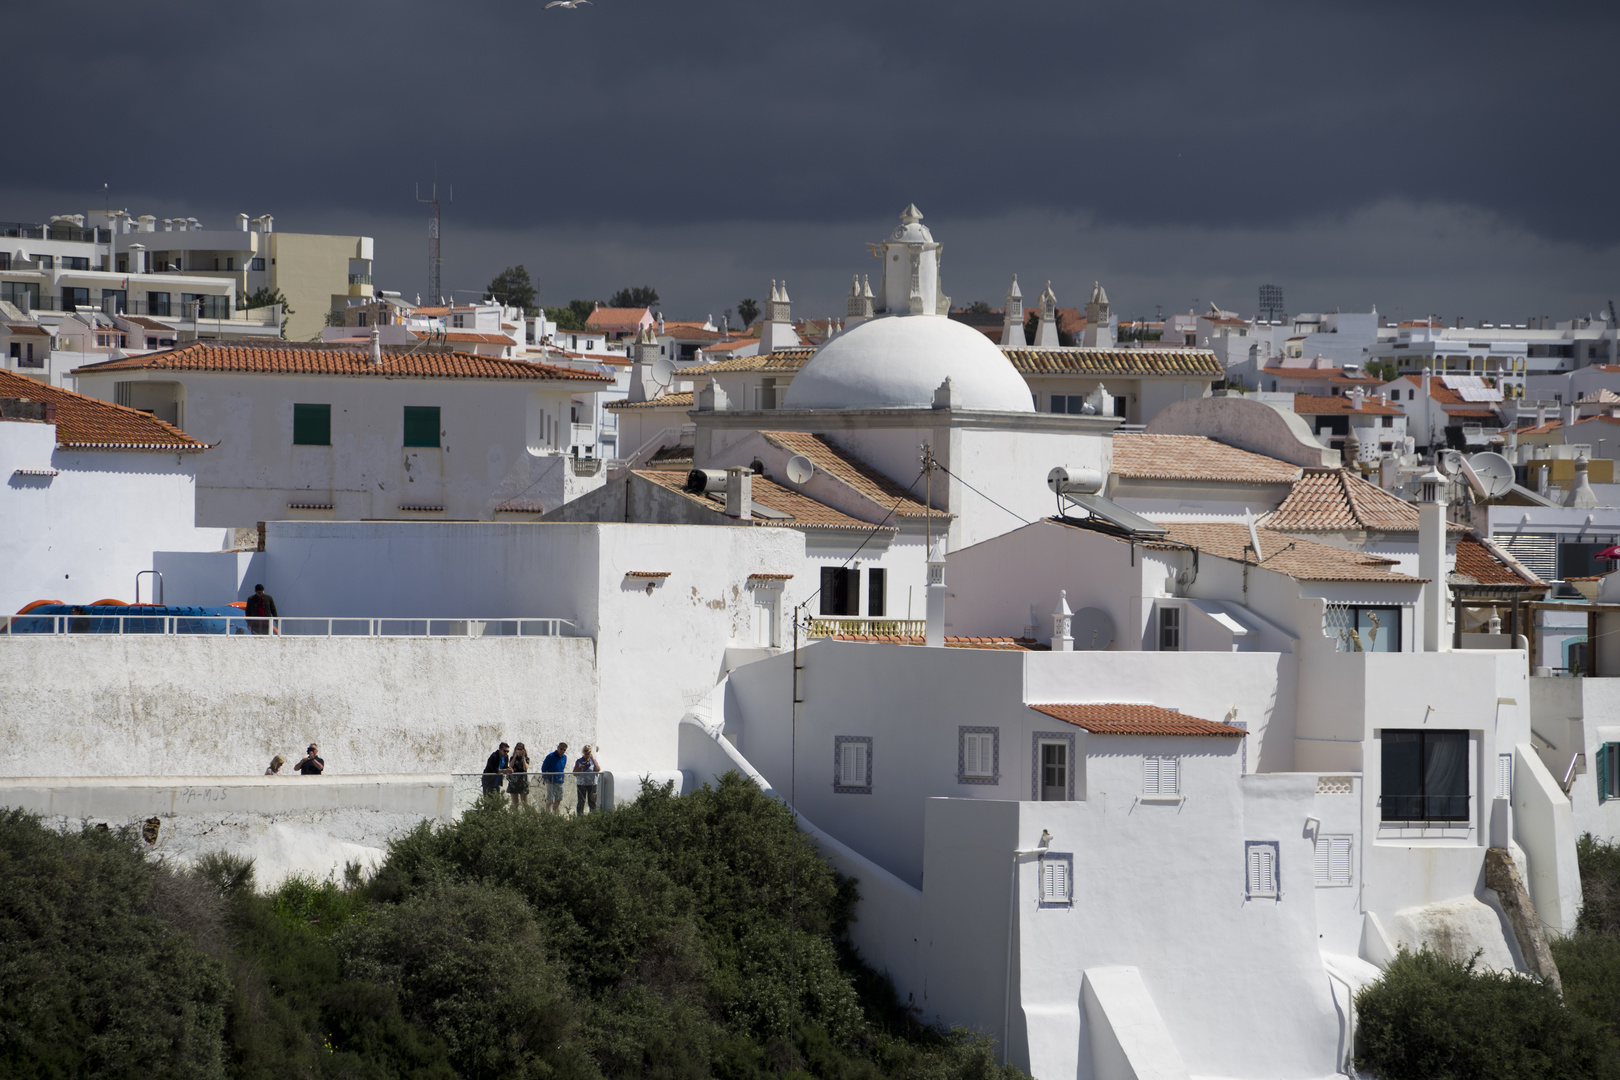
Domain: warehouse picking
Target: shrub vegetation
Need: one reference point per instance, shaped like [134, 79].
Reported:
[1430, 1018]
[672, 938]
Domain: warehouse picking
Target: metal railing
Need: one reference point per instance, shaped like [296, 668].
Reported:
[285, 626]
[836, 625]
[534, 789]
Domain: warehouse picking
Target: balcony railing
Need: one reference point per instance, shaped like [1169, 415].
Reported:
[359, 279]
[536, 788]
[841, 626]
[233, 625]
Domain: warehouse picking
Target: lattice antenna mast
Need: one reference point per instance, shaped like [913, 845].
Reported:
[435, 263]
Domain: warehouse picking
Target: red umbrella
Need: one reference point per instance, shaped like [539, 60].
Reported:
[1611, 553]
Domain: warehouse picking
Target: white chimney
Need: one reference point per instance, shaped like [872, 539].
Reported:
[1432, 558]
[740, 493]
[936, 595]
[1062, 619]
[1581, 493]
[376, 345]
[242, 222]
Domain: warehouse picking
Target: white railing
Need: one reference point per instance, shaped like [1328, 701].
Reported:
[302, 626]
[841, 625]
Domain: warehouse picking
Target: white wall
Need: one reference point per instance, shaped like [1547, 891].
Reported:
[137, 705]
[496, 438]
[83, 534]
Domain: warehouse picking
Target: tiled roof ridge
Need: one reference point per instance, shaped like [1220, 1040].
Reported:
[76, 419]
[235, 355]
[1150, 455]
[867, 481]
[1133, 718]
[803, 511]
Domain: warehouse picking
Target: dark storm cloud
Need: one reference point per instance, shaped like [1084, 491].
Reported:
[736, 116]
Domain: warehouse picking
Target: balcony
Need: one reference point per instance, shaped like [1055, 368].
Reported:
[851, 626]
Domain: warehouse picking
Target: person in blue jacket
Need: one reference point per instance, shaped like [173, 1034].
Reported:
[553, 770]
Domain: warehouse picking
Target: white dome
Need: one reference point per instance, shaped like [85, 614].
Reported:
[897, 362]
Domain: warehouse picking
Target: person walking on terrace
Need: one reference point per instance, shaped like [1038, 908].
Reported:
[552, 770]
[585, 770]
[498, 764]
[518, 785]
[259, 605]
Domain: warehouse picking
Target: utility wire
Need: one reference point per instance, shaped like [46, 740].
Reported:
[935, 463]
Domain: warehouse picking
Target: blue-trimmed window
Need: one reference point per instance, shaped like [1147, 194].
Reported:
[852, 764]
[1608, 771]
[1052, 767]
[1056, 879]
[978, 755]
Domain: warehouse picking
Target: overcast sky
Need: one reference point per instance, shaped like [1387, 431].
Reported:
[1447, 157]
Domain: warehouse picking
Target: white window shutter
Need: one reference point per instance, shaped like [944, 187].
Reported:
[858, 774]
[1323, 868]
[1169, 776]
[848, 758]
[1048, 874]
[1150, 775]
[1504, 776]
[1268, 863]
[1060, 881]
[1339, 861]
[1254, 871]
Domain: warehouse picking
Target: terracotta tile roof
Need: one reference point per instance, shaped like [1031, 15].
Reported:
[1333, 500]
[666, 401]
[1318, 405]
[1182, 361]
[1305, 560]
[616, 316]
[430, 312]
[770, 577]
[15, 329]
[1604, 396]
[1138, 455]
[464, 336]
[803, 512]
[851, 471]
[691, 332]
[1483, 563]
[647, 573]
[781, 360]
[308, 358]
[672, 454]
[144, 323]
[1333, 375]
[85, 423]
[1553, 425]
[1128, 719]
[1003, 644]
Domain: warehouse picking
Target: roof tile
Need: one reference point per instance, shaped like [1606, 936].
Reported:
[1199, 362]
[1106, 718]
[308, 358]
[851, 471]
[803, 512]
[1139, 455]
[85, 423]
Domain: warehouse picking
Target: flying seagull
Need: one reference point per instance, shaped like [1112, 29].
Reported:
[569, 4]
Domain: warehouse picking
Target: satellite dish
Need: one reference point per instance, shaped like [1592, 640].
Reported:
[800, 469]
[1448, 462]
[662, 370]
[1092, 629]
[1494, 471]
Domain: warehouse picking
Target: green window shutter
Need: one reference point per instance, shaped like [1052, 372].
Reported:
[312, 425]
[421, 425]
[1604, 794]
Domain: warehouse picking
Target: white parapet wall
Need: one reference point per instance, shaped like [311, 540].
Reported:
[188, 706]
[287, 825]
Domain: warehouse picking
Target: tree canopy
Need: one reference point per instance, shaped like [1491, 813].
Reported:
[634, 297]
[263, 297]
[513, 288]
[573, 316]
[747, 311]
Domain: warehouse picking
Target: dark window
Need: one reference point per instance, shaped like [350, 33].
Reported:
[123, 264]
[258, 264]
[876, 591]
[73, 299]
[840, 591]
[157, 303]
[75, 262]
[230, 262]
[25, 294]
[119, 298]
[312, 425]
[47, 262]
[1054, 771]
[1364, 629]
[1425, 776]
[421, 425]
[1579, 560]
[1169, 629]
[1608, 771]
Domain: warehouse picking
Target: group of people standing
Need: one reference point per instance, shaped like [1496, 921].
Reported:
[509, 766]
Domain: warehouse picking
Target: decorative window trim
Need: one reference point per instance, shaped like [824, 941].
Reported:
[838, 748]
[1066, 860]
[1036, 738]
[962, 776]
[1276, 870]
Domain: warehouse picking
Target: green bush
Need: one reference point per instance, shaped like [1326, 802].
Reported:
[1430, 1018]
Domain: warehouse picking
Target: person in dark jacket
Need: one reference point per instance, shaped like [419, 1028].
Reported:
[585, 770]
[313, 764]
[498, 764]
[259, 605]
[518, 785]
[554, 771]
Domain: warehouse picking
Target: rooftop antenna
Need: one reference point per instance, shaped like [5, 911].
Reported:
[435, 263]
